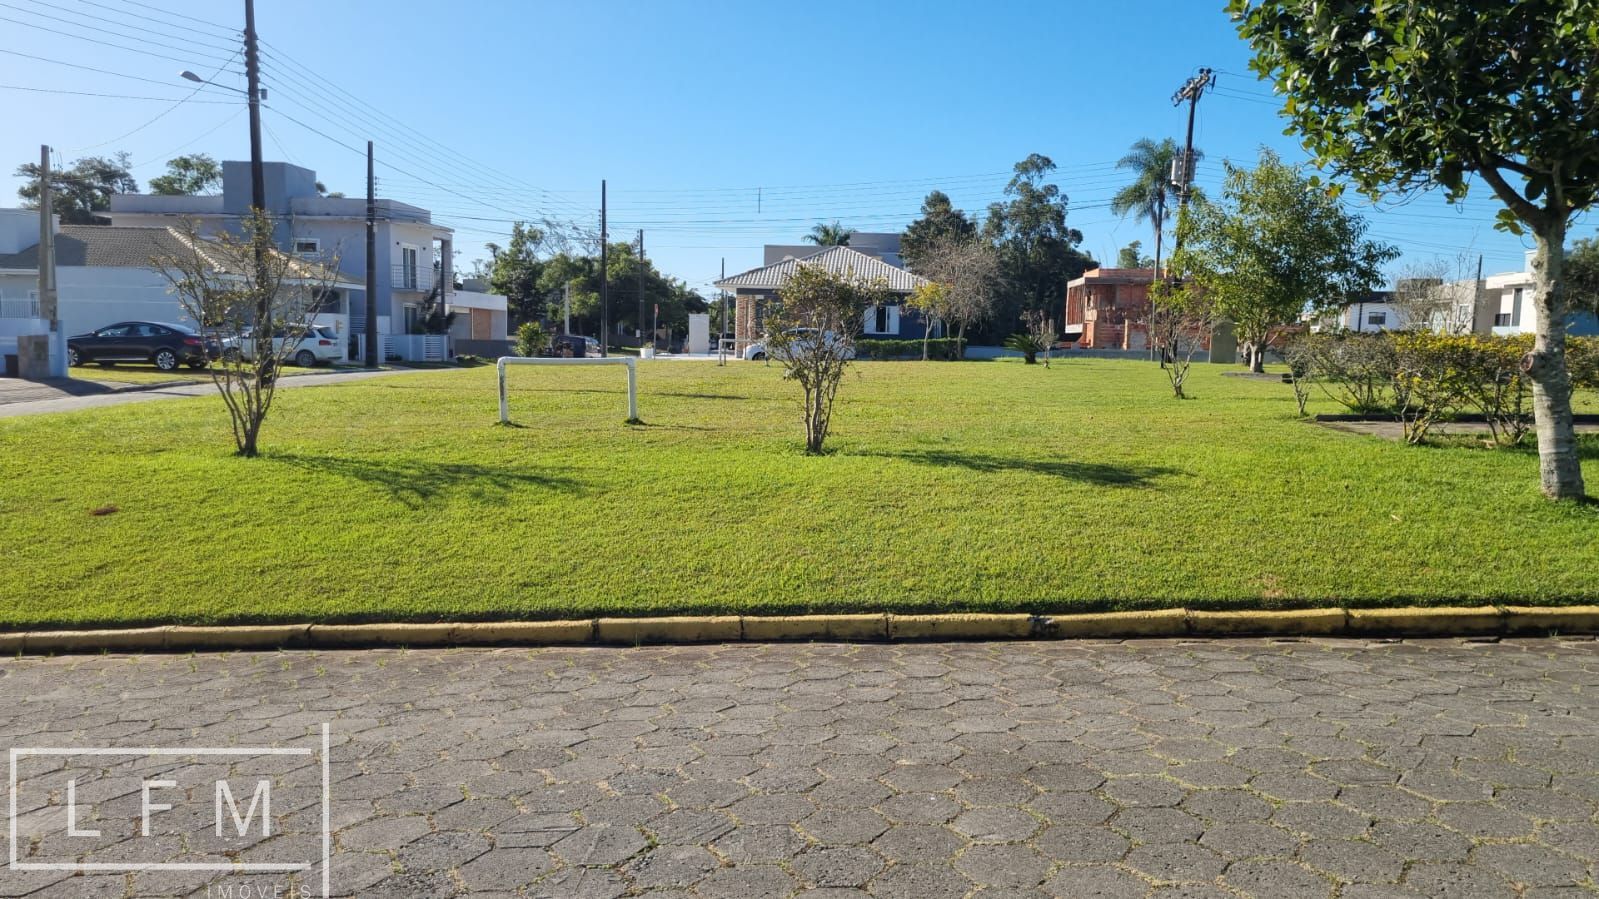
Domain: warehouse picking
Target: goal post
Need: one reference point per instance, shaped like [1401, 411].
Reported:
[629, 361]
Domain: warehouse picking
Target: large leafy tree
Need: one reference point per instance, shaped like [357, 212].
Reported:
[580, 274]
[1582, 264]
[1038, 253]
[940, 224]
[826, 234]
[1404, 96]
[190, 175]
[1276, 246]
[82, 190]
[1151, 194]
[515, 272]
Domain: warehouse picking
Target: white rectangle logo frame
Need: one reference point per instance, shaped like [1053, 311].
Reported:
[222, 867]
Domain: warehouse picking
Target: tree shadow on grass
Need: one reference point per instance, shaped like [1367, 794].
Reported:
[1096, 473]
[416, 484]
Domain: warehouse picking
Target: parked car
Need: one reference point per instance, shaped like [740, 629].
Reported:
[162, 344]
[308, 345]
[797, 337]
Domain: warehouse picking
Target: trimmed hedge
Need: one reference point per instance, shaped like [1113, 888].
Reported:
[948, 349]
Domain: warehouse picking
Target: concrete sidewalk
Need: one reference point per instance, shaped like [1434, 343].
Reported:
[44, 398]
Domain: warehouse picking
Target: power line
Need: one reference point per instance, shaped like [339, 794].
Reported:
[163, 113]
[52, 90]
[179, 15]
[234, 34]
[119, 34]
[73, 65]
[100, 42]
[203, 135]
[99, 17]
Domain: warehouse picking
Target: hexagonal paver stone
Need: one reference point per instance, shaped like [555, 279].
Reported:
[776, 808]
[743, 881]
[1175, 861]
[1073, 843]
[1072, 808]
[1015, 867]
[846, 867]
[849, 793]
[1530, 865]
[1277, 880]
[579, 883]
[1483, 820]
[1353, 860]
[1095, 882]
[1227, 805]
[506, 869]
[1449, 880]
[671, 866]
[1158, 825]
[844, 827]
[433, 885]
[927, 778]
[688, 827]
[919, 808]
[601, 844]
[919, 882]
[996, 825]
[1066, 777]
[1143, 791]
[1321, 820]
[1249, 840]
[441, 851]
[918, 843]
[385, 833]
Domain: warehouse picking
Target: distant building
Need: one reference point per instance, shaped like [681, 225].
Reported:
[753, 289]
[1108, 308]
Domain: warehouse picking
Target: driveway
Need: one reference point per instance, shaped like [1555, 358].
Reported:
[1140, 769]
[36, 398]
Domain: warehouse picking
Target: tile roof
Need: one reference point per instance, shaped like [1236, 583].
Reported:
[837, 260]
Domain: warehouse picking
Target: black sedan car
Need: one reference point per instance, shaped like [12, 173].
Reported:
[164, 345]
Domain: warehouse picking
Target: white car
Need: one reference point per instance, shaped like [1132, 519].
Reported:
[308, 345]
[799, 337]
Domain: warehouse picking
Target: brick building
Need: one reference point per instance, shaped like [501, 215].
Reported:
[1108, 308]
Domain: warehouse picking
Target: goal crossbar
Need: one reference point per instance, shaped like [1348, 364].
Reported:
[629, 361]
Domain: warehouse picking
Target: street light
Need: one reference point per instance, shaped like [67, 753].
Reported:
[190, 76]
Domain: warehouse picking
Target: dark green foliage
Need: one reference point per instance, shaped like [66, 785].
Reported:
[948, 349]
[190, 175]
[80, 191]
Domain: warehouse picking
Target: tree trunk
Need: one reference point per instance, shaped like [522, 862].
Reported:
[1257, 357]
[1559, 464]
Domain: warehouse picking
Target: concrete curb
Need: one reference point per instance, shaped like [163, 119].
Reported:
[1472, 621]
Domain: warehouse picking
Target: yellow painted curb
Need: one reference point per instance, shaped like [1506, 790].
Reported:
[973, 626]
[1166, 623]
[535, 633]
[1545, 620]
[682, 629]
[1443, 621]
[256, 636]
[1300, 623]
[12, 643]
[816, 627]
[380, 634]
[95, 641]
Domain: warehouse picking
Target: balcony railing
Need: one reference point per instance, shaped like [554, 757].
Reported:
[17, 307]
[417, 278]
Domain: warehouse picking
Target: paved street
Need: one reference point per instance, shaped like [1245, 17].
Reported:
[35, 398]
[1148, 768]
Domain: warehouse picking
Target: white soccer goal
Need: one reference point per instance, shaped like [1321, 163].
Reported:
[629, 361]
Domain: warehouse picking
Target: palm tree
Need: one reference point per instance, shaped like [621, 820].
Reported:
[825, 235]
[1147, 196]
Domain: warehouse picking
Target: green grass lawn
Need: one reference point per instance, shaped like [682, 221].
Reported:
[978, 486]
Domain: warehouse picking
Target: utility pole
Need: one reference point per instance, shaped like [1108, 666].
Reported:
[252, 75]
[49, 308]
[1183, 169]
[721, 357]
[641, 292]
[605, 281]
[371, 359]
[566, 309]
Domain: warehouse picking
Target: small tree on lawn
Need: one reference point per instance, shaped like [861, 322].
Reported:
[968, 269]
[1180, 318]
[1276, 245]
[1427, 93]
[812, 333]
[932, 301]
[231, 283]
[1038, 338]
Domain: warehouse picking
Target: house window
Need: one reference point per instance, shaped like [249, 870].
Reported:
[410, 318]
[1515, 306]
[307, 246]
[1379, 319]
[408, 268]
[880, 320]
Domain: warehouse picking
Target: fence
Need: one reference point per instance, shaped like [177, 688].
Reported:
[408, 347]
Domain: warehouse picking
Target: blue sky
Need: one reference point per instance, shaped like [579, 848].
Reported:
[720, 126]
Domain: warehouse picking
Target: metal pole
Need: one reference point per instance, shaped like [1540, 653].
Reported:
[641, 292]
[721, 356]
[605, 282]
[49, 308]
[566, 309]
[371, 264]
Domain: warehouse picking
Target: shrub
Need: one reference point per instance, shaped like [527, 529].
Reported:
[531, 339]
[1497, 386]
[950, 349]
[1582, 361]
[1356, 370]
[1432, 378]
[1026, 344]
